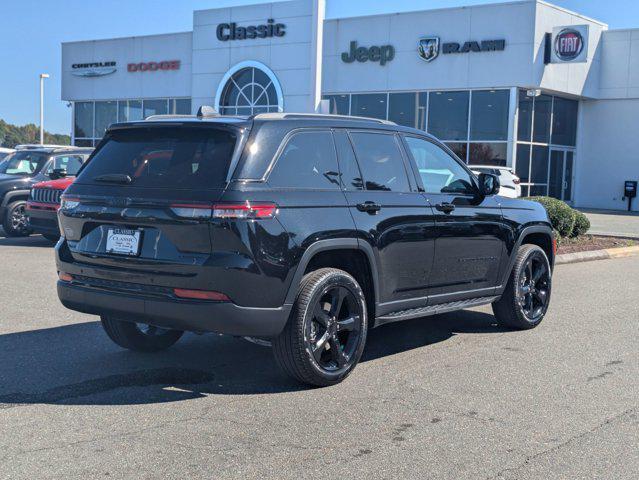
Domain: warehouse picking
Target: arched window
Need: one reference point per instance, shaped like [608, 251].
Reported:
[247, 89]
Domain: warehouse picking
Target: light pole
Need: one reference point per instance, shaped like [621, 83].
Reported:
[42, 77]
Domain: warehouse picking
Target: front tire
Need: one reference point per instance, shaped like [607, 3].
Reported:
[139, 337]
[527, 296]
[325, 336]
[15, 220]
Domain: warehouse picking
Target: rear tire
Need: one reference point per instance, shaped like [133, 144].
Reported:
[326, 333]
[527, 296]
[14, 222]
[139, 337]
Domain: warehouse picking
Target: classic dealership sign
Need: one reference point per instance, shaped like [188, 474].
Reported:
[570, 44]
[383, 54]
[93, 69]
[232, 31]
[153, 66]
[429, 49]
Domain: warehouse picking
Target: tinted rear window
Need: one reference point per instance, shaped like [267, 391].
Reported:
[165, 157]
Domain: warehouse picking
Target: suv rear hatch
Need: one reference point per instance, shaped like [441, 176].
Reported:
[143, 201]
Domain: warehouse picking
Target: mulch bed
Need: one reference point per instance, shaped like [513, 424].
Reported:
[590, 242]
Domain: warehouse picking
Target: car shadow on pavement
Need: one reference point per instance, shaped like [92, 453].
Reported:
[31, 241]
[78, 365]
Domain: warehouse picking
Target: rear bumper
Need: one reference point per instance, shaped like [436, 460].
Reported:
[189, 315]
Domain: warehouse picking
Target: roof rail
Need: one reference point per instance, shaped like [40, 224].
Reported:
[281, 116]
[167, 116]
[34, 146]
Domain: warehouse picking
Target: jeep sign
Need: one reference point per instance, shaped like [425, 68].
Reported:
[569, 44]
[383, 54]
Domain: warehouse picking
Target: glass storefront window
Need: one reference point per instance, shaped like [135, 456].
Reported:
[181, 106]
[421, 110]
[459, 149]
[522, 167]
[448, 115]
[93, 118]
[401, 108]
[539, 164]
[338, 104]
[369, 105]
[564, 122]
[155, 107]
[524, 123]
[541, 127]
[135, 110]
[489, 115]
[106, 113]
[538, 190]
[487, 154]
[83, 122]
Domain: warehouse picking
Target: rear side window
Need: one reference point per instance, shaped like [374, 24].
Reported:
[307, 161]
[184, 157]
[381, 162]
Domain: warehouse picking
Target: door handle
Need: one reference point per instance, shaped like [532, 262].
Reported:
[369, 207]
[445, 207]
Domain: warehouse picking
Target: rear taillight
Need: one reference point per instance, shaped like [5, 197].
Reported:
[200, 295]
[516, 180]
[245, 210]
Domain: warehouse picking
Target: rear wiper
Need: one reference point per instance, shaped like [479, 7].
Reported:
[113, 178]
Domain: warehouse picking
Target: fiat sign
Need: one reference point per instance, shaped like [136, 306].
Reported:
[570, 44]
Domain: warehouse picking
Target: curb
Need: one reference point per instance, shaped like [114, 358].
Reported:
[596, 255]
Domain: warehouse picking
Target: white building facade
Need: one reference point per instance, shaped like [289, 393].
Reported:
[526, 84]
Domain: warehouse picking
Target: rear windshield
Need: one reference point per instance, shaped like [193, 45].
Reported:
[175, 157]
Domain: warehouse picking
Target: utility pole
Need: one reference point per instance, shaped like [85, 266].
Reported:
[42, 77]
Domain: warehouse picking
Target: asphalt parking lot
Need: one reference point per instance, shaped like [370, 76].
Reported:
[452, 396]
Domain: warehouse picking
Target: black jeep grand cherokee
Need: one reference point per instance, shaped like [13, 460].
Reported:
[304, 230]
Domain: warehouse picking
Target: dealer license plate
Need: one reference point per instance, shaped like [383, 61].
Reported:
[123, 242]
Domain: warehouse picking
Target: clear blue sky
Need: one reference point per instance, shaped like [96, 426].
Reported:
[31, 32]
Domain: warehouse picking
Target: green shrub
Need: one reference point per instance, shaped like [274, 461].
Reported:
[582, 224]
[562, 216]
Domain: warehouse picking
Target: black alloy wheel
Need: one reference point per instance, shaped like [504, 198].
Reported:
[325, 335]
[534, 287]
[333, 332]
[526, 298]
[15, 223]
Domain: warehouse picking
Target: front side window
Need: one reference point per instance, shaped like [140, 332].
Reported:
[23, 163]
[164, 157]
[440, 173]
[70, 164]
[381, 162]
[307, 161]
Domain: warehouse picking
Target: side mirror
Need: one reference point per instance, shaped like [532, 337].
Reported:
[58, 173]
[488, 184]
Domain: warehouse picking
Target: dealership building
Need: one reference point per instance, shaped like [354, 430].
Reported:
[527, 84]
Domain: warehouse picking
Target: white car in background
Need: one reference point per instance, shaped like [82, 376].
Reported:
[509, 181]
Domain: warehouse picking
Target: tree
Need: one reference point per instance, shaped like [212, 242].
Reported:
[12, 135]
